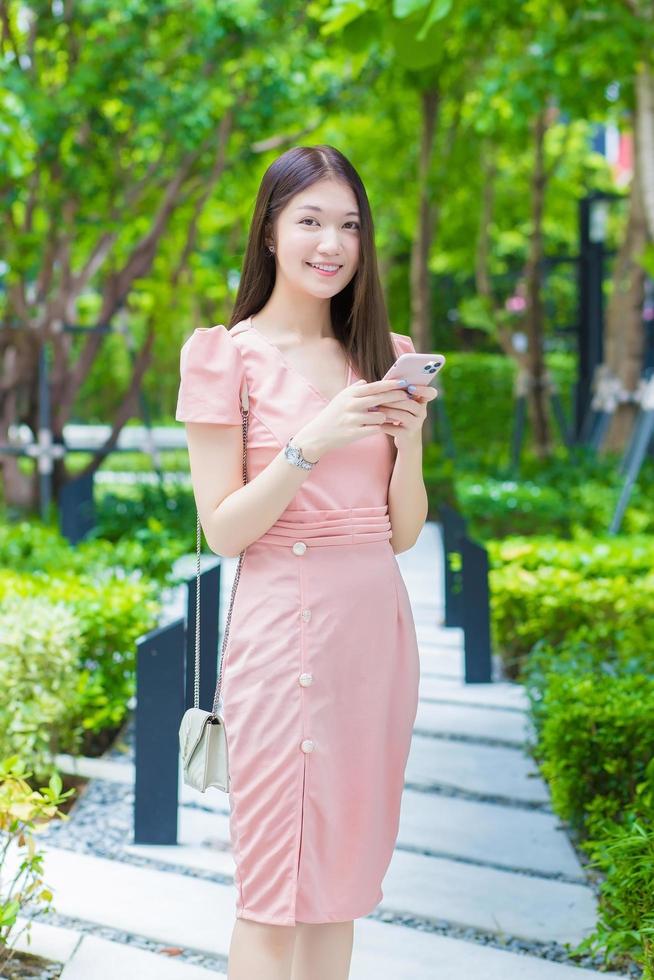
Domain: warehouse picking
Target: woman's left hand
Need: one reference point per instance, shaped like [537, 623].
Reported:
[405, 419]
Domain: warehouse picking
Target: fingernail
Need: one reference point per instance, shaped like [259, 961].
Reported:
[411, 388]
[403, 383]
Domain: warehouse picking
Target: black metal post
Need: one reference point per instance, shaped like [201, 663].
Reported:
[591, 304]
[476, 612]
[454, 527]
[159, 710]
[77, 508]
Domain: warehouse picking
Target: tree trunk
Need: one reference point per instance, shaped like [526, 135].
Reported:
[624, 337]
[645, 141]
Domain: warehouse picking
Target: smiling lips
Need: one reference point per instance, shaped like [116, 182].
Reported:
[325, 268]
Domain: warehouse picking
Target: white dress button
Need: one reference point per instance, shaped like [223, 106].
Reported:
[306, 615]
[307, 745]
[306, 679]
[299, 548]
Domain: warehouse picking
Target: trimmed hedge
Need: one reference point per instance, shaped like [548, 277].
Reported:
[39, 643]
[557, 606]
[112, 613]
[596, 741]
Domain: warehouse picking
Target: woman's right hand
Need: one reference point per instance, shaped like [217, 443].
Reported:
[349, 416]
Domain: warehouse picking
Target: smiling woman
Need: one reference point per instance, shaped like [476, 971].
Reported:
[321, 670]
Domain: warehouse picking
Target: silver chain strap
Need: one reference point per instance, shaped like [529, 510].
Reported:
[196, 690]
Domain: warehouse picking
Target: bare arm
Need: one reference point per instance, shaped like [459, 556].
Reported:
[233, 515]
[407, 496]
[408, 504]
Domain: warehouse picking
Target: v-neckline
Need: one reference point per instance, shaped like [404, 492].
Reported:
[293, 370]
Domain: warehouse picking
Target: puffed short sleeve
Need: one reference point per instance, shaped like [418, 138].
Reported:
[403, 344]
[211, 374]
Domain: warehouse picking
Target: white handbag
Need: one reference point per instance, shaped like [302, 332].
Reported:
[202, 736]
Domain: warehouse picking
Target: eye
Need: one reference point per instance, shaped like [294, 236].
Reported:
[355, 223]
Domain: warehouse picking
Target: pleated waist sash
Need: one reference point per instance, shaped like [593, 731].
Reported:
[352, 525]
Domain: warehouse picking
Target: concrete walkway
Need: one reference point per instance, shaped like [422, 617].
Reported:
[484, 883]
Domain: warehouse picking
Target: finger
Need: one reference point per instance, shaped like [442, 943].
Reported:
[401, 414]
[368, 389]
[372, 418]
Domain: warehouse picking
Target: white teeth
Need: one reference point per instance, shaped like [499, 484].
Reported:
[325, 268]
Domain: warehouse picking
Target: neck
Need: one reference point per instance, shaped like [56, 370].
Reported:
[289, 313]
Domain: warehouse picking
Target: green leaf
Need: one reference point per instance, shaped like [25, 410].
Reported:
[439, 10]
[405, 8]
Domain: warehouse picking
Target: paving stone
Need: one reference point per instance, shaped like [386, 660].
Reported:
[517, 905]
[113, 770]
[486, 769]
[442, 664]
[203, 843]
[101, 959]
[487, 832]
[500, 694]
[52, 942]
[477, 721]
[178, 910]
[396, 952]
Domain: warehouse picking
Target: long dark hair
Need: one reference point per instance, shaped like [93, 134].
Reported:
[358, 313]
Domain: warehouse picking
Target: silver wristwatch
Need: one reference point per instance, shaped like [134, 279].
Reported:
[294, 455]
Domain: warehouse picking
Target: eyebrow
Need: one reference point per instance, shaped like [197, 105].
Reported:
[314, 207]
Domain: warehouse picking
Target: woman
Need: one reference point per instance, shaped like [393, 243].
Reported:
[321, 669]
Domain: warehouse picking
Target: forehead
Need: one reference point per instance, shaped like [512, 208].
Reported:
[325, 196]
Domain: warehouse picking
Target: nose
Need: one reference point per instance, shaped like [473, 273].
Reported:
[330, 243]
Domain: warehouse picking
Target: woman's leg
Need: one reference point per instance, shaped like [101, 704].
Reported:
[260, 950]
[322, 950]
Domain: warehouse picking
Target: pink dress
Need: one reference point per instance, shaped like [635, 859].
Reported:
[321, 671]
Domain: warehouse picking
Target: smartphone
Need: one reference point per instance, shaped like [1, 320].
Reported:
[418, 369]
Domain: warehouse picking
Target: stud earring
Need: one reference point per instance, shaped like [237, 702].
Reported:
[271, 248]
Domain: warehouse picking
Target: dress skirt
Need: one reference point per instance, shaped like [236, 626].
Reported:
[320, 690]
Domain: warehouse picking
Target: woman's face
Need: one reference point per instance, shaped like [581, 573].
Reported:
[320, 225]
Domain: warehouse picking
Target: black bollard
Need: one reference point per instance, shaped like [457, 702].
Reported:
[159, 710]
[77, 508]
[454, 527]
[476, 611]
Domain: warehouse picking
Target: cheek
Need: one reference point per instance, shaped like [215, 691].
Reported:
[295, 245]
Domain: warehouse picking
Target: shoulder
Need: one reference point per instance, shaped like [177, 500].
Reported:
[402, 343]
[210, 350]
[209, 340]
[211, 374]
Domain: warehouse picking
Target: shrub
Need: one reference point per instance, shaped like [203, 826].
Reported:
[591, 556]
[596, 741]
[39, 644]
[112, 614]
[558, 606]
[623, 851]
[32, 546]
[498, 508]
[494, 508]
